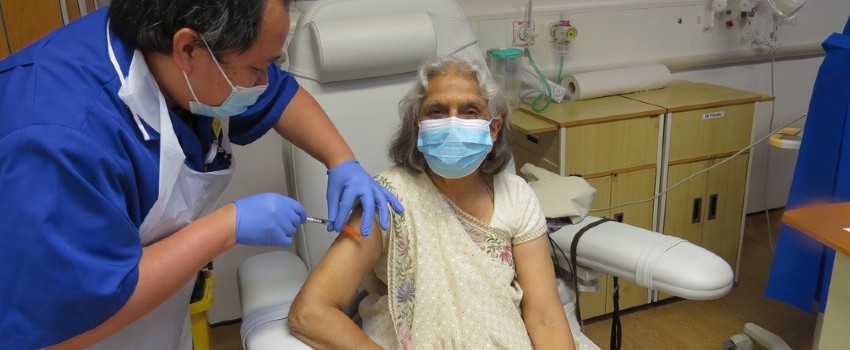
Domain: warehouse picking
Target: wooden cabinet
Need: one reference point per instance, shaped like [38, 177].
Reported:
[634, 147]
[4, 43]
[704, 170]
[713, 204]
[614, 143]
[26, 21]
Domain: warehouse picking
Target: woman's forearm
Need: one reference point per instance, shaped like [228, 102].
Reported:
[327, 327]
[549, 331]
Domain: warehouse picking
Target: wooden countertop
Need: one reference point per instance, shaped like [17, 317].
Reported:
[678, 96]
[596, 110]
[530, 124]
[683, 95]
[824, 222]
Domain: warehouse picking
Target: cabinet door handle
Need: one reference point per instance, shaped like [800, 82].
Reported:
[63, 7]
[712, 207]
[84, 8]
[696, 211]
[618, 217]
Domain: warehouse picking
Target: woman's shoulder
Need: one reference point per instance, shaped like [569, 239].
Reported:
[399, 174]
[511, 183]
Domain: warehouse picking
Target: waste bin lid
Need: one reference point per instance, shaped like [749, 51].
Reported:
[505, 53]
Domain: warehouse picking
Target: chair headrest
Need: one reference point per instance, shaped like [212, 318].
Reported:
[364, 46]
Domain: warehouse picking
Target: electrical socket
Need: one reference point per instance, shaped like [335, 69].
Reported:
[718, 5]
[523, 33]
[747, 5]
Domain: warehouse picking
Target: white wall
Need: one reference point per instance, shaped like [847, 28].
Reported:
[259, 169]
[620, 33]
[615, 33]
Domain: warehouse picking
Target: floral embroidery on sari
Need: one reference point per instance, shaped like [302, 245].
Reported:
[491, 241]
[439, 263]
[401, 277]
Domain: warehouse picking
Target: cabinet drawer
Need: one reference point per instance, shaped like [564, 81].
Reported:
[631, 187]
[603, 147]
[544, 145]
[622, 188]
[602, 199]
[704, 132]
[724, 192]
[522, 156]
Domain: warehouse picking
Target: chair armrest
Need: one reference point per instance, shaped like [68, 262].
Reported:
[268, 284]
[650, 259]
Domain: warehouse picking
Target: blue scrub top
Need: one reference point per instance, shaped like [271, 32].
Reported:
[77, 180]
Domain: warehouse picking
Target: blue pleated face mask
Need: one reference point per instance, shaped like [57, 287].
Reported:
[454, 147]
[238, 101]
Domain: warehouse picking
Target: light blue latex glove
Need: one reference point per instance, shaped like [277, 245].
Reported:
[268, 219]
[349, 182]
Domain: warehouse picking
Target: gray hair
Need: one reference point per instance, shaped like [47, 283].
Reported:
[403, 151]
[228, 26]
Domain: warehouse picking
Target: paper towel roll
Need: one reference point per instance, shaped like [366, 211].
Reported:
[616, 81]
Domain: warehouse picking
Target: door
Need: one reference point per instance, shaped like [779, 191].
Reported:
[27, 21]
[629, 187]
[4, 43]
[684, 206]
[685, 203]
[612, 190]
[724, 210]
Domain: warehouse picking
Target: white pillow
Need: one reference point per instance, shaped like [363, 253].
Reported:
[369, 46]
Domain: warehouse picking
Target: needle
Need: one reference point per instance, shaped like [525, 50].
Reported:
[346, 229]
[317, 220]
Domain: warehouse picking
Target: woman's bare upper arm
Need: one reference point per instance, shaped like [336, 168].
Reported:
[535, 272]
[347, 261]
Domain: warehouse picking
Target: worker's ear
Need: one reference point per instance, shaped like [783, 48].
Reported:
[184, 48]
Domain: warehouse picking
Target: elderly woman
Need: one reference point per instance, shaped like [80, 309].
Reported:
[467, 266]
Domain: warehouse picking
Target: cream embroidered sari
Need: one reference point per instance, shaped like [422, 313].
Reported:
[447, 280]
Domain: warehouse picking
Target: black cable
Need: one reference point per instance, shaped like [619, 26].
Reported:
[560, 271]
[616, 327]
[226, 322]
[574, 264]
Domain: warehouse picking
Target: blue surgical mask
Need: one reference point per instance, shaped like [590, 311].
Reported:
[454, 147]
[238, 101]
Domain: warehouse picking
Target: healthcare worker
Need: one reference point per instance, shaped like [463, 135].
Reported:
[115, 136]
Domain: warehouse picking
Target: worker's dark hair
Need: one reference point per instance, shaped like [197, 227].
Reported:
[228, 26]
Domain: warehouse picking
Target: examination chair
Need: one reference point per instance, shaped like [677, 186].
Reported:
[358, 58]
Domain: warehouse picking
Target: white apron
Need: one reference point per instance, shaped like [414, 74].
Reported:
[184, 195]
